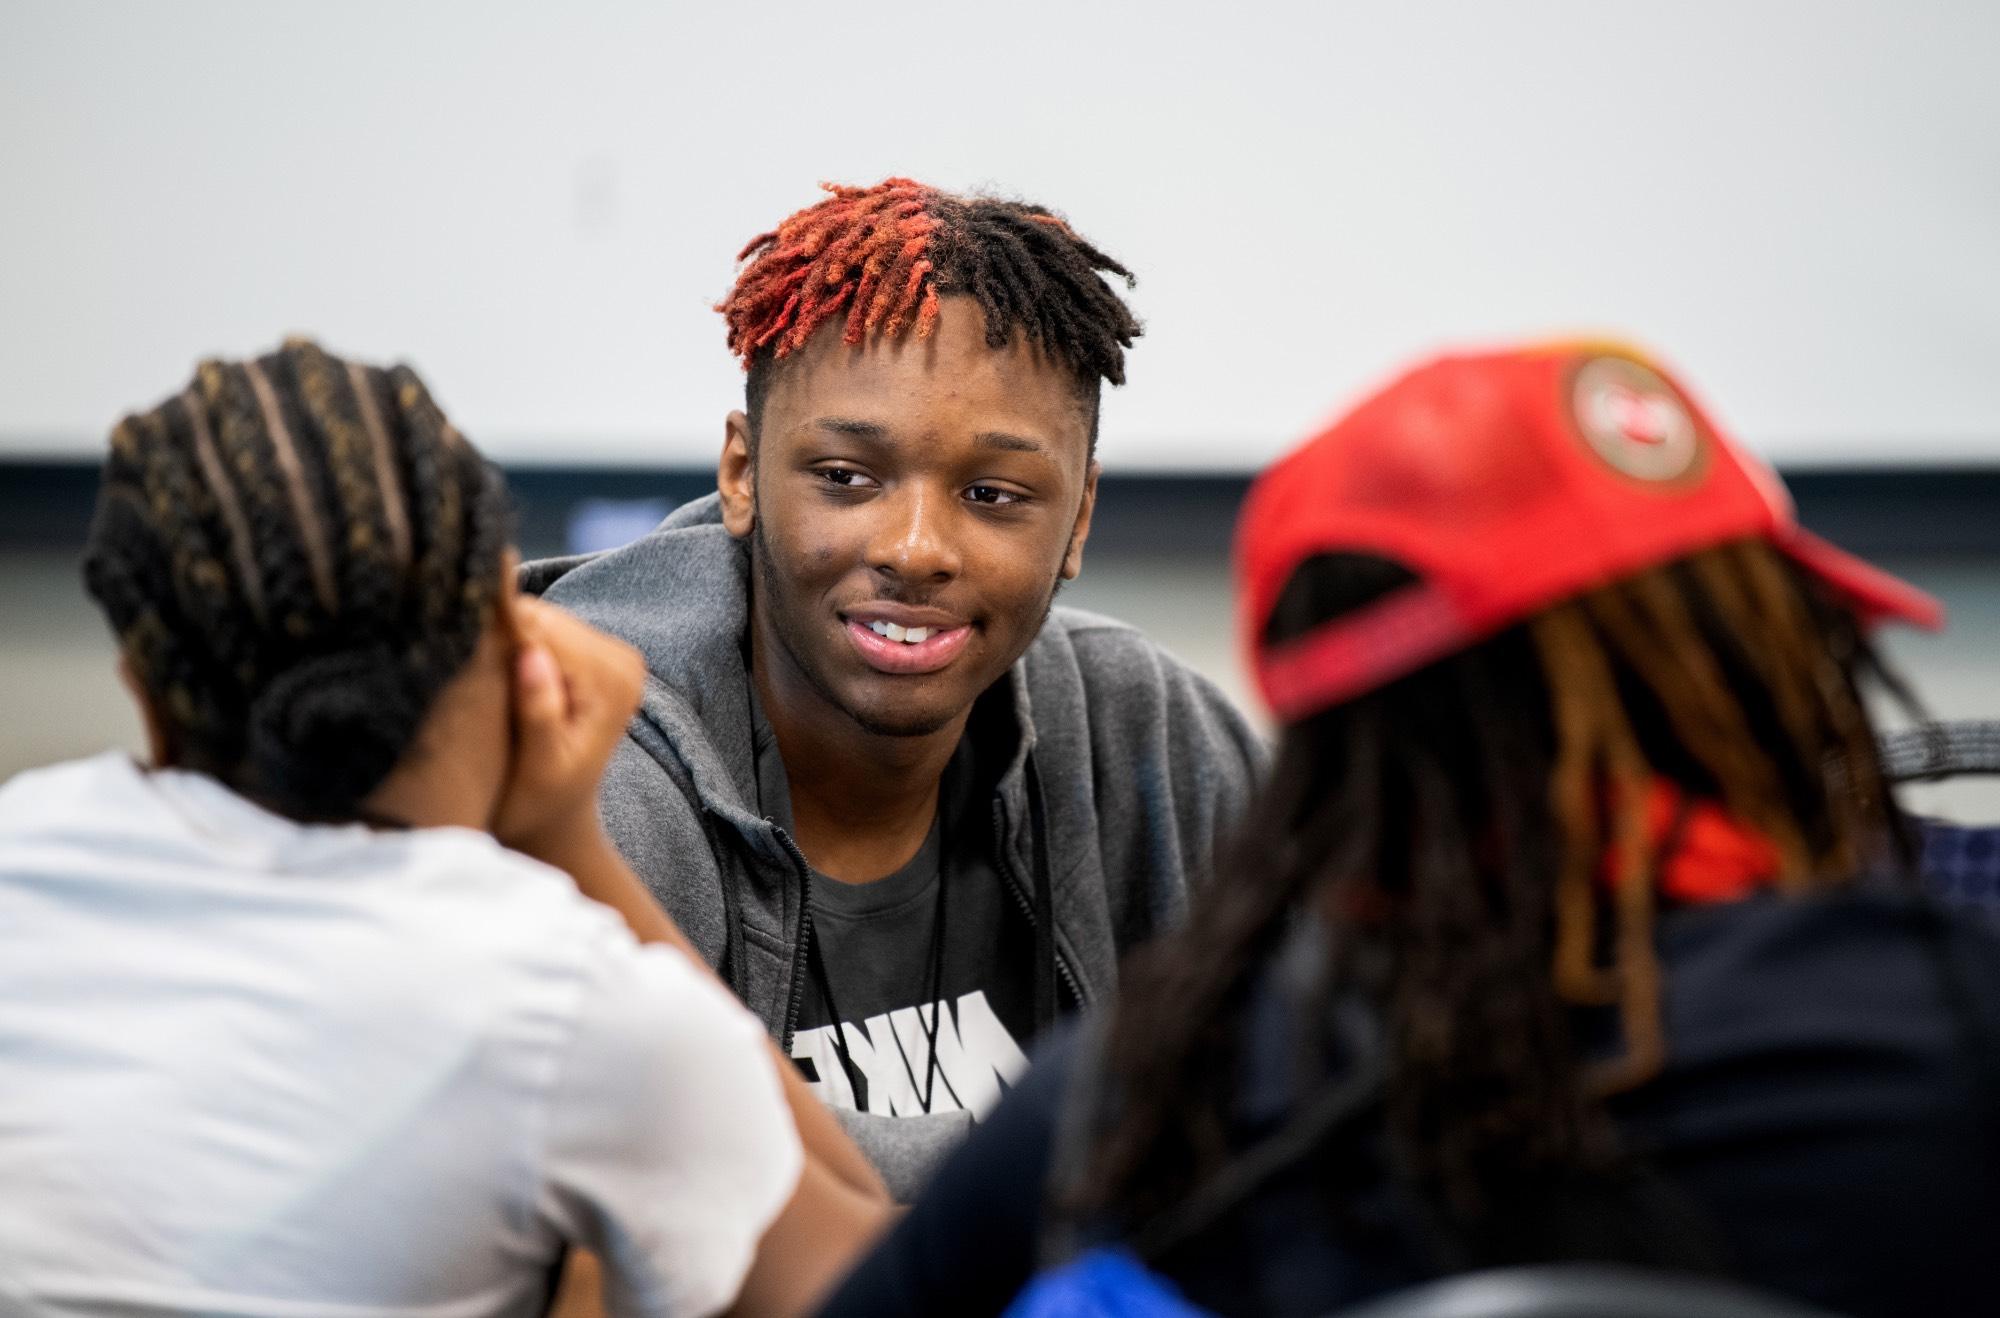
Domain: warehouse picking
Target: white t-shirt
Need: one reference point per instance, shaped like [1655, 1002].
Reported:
[250, 1067]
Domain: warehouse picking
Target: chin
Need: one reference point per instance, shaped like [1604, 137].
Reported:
[899, 719]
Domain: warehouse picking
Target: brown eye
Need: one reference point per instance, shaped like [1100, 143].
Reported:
[991, 495]
[843, 478]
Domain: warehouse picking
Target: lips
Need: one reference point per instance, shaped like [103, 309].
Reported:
[907, 658]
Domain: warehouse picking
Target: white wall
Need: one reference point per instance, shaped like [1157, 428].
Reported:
[1798, 200]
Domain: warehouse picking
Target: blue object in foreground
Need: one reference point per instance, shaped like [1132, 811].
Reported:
[1961, 863]
[1102, 1283]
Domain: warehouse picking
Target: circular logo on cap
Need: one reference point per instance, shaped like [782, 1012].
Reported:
[1634, 419]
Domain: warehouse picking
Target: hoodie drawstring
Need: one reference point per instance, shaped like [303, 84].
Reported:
[1045, 921]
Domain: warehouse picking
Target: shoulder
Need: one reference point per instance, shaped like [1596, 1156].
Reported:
[509, 940]
[1115, 661]
[1098, 635]
[682, 555]
[1127, 687]
[669, 1147]
[1775, 927]
[1843, 955]
[687, 574]
[687, 531]
[491, 918]
[487, 919]
[39, 800]
[478, 903]
[466, 860]
[652, 1011]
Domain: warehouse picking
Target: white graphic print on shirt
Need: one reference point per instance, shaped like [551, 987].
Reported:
[976, 1055]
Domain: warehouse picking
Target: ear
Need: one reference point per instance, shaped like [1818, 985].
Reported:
[736, 476]
[159, 752]
[1072, 562]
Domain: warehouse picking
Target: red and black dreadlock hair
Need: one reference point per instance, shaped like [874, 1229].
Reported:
[879, 258]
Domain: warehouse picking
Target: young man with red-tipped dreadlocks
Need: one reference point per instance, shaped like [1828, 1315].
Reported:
[910, 809]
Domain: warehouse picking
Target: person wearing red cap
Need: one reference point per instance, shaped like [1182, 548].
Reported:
[1572, 924]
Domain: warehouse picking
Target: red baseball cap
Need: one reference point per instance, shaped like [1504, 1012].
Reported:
[1508, 482]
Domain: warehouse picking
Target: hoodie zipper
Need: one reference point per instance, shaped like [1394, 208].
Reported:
[803, 942]
[1028, 907]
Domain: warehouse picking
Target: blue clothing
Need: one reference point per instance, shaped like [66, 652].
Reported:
[1102, 1283]
[1961, 863]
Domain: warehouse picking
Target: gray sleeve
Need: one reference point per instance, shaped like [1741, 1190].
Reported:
[1217, 762]
[659, 832]
[1176, 765]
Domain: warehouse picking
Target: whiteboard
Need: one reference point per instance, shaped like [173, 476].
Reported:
[1797, 201]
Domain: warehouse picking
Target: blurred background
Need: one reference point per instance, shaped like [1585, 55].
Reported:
[1795, 201]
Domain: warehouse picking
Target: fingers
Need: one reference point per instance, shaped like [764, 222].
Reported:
[575, 693]
[605, 676]
[541, 696]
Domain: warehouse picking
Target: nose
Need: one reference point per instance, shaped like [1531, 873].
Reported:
[913, 543]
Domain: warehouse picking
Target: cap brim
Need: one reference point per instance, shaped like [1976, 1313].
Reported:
[1875, 595]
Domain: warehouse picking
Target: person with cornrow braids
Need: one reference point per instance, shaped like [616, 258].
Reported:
[329, 1006]
[909, 808]
[1576, 923]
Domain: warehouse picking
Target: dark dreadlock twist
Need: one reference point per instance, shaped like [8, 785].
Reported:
[884, 255]
[296, 553]
[1470, 838]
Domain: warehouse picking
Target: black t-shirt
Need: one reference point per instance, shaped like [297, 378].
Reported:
[1828, 1114]
[873, 953]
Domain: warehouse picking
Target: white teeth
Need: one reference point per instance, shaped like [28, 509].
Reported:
[907, 635]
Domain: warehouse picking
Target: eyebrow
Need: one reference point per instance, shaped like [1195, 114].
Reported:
[842, 425]
[993, 439]
[1000, 439]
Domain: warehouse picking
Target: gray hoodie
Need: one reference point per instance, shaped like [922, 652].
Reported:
[1127, 771]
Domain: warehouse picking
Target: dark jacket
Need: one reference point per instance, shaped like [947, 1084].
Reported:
[1827, 1126]
[1126, 769]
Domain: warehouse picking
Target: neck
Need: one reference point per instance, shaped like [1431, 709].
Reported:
[448, 776]
[862, 802]
[435, 796]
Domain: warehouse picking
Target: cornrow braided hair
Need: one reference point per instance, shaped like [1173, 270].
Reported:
[878, 259]
[1450, 832]
[296, 553]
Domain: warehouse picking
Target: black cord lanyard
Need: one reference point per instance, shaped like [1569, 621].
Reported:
[817, 959]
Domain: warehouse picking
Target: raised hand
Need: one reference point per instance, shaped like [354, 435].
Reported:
[575, 689]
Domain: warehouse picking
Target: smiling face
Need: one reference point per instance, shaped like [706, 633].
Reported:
[912, 505]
